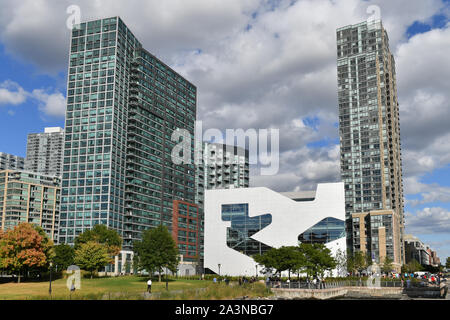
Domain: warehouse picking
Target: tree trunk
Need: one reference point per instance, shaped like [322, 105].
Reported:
[159, 274]
[18, 278]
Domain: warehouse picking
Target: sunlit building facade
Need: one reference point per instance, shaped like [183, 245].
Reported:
[31, 198]
[371, 165]
[240, 223]
[11, 162]
[123, 105]
[45, 152]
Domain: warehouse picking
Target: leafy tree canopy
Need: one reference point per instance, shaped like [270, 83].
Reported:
[64, 256]
[281, 259]
[358, 262]
[412, 266]
[156, 250]
[314, 259]
[91, 256]
[387, 265]
[318, 259]
[25, 248]
[102, 235]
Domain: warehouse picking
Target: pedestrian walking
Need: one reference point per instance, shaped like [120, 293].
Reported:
[149, 286]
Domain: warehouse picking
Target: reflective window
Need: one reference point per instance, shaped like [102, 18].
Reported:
[327, 230]
[243, 227]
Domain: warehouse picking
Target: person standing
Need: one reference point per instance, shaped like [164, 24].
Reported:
[149, 286]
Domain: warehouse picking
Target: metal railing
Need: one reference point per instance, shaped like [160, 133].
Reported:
[338, 284]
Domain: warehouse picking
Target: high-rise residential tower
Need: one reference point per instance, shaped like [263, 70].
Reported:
[45, 152]
[222, 167]
[31, 198]
[371, 166]
[123, 105]
[11, 162]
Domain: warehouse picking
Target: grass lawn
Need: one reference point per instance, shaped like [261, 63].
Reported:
[131, 286]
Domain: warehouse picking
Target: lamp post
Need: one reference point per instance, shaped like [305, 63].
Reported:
[50, 284]
[219, 268]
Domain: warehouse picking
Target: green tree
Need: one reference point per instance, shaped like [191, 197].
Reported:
[268, 260]
[25, 248]
[413, 266]
[351, 266]
[387, 265]
[318, 259]
[102, 235]
[358, 262]
[156, 250]
[64, 256]
[91, 256]
[447, 263]
[281, 259]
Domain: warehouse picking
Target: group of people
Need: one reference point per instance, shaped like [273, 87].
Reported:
[226, 280]
[243, 280]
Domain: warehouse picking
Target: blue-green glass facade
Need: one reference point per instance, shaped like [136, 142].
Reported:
[161, 101]
[101, 159]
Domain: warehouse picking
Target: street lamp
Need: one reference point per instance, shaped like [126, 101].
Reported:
[50, 285]
[219, 268]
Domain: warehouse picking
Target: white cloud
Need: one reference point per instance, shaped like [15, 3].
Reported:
[302, 169]
[428, 221]
[424, 93]
[428, 192]
[442, 248]
[53, 104]
[11, 93]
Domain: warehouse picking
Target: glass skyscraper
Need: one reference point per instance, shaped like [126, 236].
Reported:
[370, 141]
[122, 106]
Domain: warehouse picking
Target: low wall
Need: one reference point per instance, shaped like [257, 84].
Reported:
[320, 294]
[347, 292]
[430, 292]
[367, 292]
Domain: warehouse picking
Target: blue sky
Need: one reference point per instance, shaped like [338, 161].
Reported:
[17, 121]
[271, 80]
